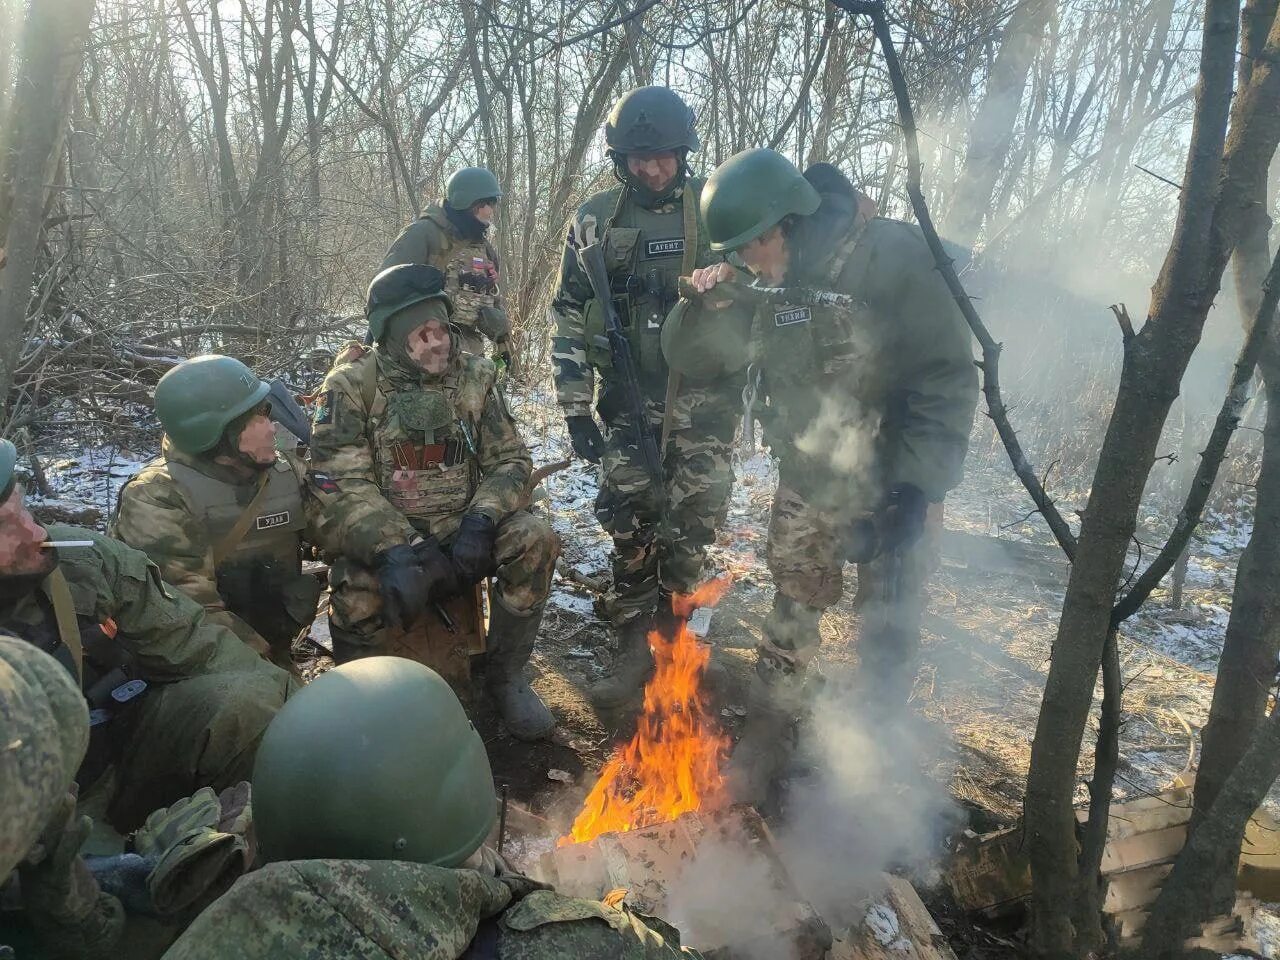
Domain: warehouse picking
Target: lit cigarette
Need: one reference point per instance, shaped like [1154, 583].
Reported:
[56, 544]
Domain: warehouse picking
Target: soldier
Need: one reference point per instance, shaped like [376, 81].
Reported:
[178, 702]
[416, 423]
[870, 403]
[650, 231]
[387, 861]
[452, 236]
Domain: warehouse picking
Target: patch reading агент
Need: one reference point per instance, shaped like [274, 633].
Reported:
[783, 318]
[664, 248]
[270, 521]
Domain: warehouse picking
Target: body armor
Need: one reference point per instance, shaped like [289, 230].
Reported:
[470, 278]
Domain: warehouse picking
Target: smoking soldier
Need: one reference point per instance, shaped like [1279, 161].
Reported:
[222, 513]
[870, 400]
[388, 862]
[178, 702]
[452, 236]
[649, 228]
[415, 425]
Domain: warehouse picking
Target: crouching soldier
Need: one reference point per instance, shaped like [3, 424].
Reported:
[416, 423]
[388, 860]
[220, 511]
[178, 702]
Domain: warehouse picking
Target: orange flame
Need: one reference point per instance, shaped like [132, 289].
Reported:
[672, 764]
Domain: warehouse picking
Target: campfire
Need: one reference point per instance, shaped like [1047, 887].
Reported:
[672, 764]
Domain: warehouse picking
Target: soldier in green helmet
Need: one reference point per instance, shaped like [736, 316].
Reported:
[223, 513]
[415, 426]
[453, 236]
[651, 234]
[866, 400]
[386, 862]
[178, 702]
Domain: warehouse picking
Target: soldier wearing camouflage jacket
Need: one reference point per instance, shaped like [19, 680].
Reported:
[180, 703]
[416, 424]
[650, 231]
[388, 863]
[453, 237]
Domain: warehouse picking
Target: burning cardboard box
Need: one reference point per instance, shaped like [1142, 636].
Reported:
[715, 875]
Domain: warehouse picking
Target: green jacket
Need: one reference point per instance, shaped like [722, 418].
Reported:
[160, 634]
[645, 254]
[390, 910]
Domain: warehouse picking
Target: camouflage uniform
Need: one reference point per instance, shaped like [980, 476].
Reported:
[180, 506]
[470, 269]
[420, 453]
[207, 698]
[645, 251]
[393, 910]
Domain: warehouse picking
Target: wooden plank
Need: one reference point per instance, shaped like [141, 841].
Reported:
[897, 926]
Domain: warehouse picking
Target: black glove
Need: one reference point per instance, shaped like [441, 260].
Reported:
[902, 519]
[404, 585]
[585, 435]
[439, 569]
[472, 548]
[493, 322]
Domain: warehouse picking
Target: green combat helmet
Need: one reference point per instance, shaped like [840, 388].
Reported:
[650, 120]
[8, 459]
[402, 286]
[46, 731]
[749, 193]
[469, 185]
[197, 400]
[374, 760]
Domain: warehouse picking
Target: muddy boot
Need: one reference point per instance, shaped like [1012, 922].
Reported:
[631, 670]
[510, 642]
[765, 747]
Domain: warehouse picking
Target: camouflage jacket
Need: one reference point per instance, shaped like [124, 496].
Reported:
[471, 269]
[158, 634]
[391, 910]
[424, 450]
[645, 253]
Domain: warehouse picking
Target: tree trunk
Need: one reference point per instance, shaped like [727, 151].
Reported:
[992, 130]
[1154, 362]
[52, 51]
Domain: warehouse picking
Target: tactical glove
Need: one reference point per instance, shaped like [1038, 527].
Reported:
[438, 567]
[472, 548]
[586, 438]
[902, 522]
[403, 583]
[493, 322]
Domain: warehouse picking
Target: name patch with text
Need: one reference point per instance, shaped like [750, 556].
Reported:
[270, 521]
[784, 318]
[664, 248]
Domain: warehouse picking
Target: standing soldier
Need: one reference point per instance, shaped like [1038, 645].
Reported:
[452, 236]
[870, 402]
[178, 702]
[416, 424]
[649, 228]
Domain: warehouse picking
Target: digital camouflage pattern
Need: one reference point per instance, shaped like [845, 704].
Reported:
[697, 461]
[208, 698]
[371, 409]
[163, 517]
[471, 270]
[392, 910]
[45, 728]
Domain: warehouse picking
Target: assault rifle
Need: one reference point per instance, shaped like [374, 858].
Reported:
[592, 259]
[751, 293]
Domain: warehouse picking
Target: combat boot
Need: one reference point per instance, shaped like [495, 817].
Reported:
[766, 744]
[631, 670]
[510, 643]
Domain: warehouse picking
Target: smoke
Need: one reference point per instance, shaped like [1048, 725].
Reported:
[842, 436]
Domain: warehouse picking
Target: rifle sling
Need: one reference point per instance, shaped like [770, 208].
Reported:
[64, 614]
[223, 548]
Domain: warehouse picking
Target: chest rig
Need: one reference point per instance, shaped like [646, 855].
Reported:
[260, 577]
[470, 273]
[646, 251]
[425, 449]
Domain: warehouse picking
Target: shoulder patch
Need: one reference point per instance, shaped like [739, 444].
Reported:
[323, 482]
[324, 407]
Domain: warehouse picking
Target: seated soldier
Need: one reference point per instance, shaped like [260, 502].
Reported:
[387, 861]
[178, 702]
[416, 423]
[223, 514]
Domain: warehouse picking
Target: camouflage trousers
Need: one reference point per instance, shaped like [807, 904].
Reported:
[804, 555]
[199, 732]
[698, 474]
[526, 551]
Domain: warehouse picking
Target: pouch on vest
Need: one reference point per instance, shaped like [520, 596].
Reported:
[620, 248]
